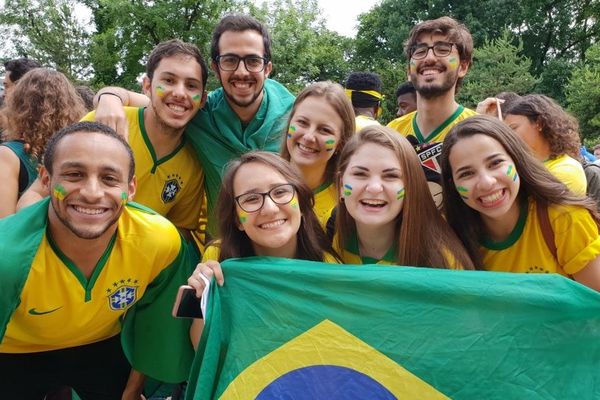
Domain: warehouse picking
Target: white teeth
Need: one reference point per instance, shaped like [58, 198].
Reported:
[273, 224]
[241, 85]
[374, 202]
[307, 149]
[89, 211]
[176, 108]
[492, 197]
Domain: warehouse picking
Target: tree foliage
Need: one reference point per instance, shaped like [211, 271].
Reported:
[498, 66]
[49, 32]
[583, 94]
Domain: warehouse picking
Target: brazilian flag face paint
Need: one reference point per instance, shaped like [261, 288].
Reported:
[59, 192]
[453, 62]
[291, 131]
[294, 202]
[124, 198]
[463, 191]
[400, 194]
[511, 172]
[160, 91]
[330, 145]
[347, 190]
[243, 215]
[196, 99]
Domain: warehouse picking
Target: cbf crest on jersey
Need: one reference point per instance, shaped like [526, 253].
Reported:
[122, 295]
[172, 186]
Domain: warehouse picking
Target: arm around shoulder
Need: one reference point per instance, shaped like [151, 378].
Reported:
[9, 175]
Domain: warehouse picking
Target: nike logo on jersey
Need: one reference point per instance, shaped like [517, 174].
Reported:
[33, 311]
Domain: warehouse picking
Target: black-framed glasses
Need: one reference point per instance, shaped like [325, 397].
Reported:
[230, 62]
[254, 201]
[440, 49]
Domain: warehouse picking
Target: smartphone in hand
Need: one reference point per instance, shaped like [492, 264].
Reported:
[187, 305]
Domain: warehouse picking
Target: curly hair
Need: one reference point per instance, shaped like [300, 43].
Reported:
[558, 128]
[42, 102]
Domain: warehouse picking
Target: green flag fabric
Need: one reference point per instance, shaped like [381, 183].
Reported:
[218, 135]
[294, 329]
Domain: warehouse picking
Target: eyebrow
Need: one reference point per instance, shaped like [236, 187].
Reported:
[488, 158]
[75, 164]
[394, 169]
[256, 190]
[169, 74]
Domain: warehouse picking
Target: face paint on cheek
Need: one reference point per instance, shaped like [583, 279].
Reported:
[124, 198]
[196, 99]
[294, 202]
[400, 194]
[330, 145]
[453, 62]
[511, 172]
[463, 191]
[160, 91]
[291, 131]
[59, 192]
[347, 190]
[243, 215]
[413, 67]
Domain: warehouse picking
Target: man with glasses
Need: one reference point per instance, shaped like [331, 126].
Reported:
[440, 54]
[246, 113]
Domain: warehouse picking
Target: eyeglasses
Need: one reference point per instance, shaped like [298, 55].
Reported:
[230, 62]
[440, 49]
[252, 202]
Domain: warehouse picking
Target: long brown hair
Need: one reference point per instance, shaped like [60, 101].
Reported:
[423, 236]
[558, 128]
[536, 181]
[42, 102]
[336, 97]
[312, 241]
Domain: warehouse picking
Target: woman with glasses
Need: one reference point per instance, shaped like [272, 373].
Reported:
[321, 122]
[510, 212]
[386, 214]
[264, 209]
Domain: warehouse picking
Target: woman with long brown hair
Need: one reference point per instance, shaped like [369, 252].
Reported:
[510, 212]
[42, 102]
[386, 214]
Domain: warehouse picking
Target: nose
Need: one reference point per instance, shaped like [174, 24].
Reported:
[179, 89]
[91, 190]
[269, 206]
[430, 56]
[486, 180]
[374, 185]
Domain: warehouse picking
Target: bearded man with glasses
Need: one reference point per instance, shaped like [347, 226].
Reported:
[439, 53]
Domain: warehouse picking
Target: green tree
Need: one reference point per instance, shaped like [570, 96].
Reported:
[583, 94]
[49, 32]
[498, 66]
[304, 50]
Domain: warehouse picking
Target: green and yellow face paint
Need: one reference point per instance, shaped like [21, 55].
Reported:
[59, 192]
[400, 194]
[243, 215]
[291, 131]
[413, 67]
[453, 62]
[463, 191]
[330, 145]
[124, 198]
[347, 190]
[196, 99]
[294, 202]
[160, 91]
[511, 172]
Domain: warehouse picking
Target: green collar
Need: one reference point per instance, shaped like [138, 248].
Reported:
[514, 235]
[352, 247]
[437, 130]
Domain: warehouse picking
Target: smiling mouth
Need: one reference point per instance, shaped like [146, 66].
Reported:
[89, 211]
[373, 203]
[307, 149]
[272, 224]
[493, 199]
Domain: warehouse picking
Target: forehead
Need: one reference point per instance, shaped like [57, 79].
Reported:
[317, 107]
[431, 37]
[241, 43]
[474, 147]
[180, 64]
[373, 155]
[256, 176]
[407, 97]
[91, 150]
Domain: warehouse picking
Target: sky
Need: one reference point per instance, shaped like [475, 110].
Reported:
[341, 15]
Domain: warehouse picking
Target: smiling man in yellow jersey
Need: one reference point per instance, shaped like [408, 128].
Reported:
[440, 53]
[75, 263]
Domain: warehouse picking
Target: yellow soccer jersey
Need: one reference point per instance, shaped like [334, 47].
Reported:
[575, 235]
[213, 252]
[570, 172]
[363, 121]
[351, 254]
[171, 186]
[60, 308]
[325, 202]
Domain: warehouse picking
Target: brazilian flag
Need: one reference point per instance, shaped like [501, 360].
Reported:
[290, 329]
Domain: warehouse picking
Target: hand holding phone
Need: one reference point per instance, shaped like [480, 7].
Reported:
[187, 305]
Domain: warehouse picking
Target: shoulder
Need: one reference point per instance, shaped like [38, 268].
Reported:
[147, 229]
[8, 156]
[212, 251]
[400, 124]
[466, 113]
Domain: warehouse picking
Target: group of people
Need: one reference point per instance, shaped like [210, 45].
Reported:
[156, 189]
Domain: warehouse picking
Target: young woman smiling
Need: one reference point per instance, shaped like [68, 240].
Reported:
[321, 122]
[510, 212]
[386, 214]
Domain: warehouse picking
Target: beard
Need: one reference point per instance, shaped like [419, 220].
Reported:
[84, 233]
[433, 90]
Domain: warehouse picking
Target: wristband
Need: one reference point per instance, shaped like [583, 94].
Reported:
[111, 94]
